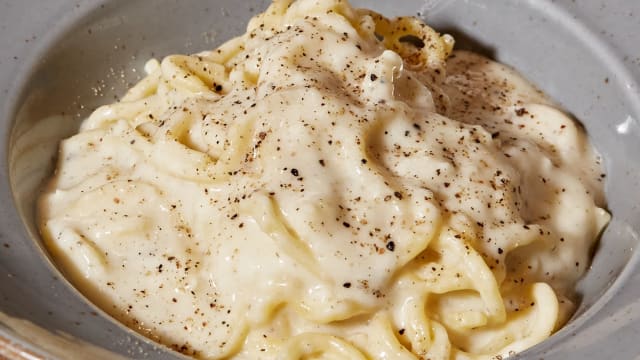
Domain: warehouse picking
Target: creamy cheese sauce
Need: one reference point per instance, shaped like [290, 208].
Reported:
[332, 184]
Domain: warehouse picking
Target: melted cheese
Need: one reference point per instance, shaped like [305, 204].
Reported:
[332, 184]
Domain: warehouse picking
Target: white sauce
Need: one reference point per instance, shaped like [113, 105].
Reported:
[310, 190]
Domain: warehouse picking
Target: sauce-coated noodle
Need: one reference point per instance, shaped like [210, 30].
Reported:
[331, 184]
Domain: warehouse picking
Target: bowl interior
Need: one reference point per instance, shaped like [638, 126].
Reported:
[95, 57]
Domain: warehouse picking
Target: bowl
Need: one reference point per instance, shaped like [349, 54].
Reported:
[61, 59]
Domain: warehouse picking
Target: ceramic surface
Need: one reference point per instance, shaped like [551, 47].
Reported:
[59, 59]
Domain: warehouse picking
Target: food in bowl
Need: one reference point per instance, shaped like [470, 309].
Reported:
[331, 183]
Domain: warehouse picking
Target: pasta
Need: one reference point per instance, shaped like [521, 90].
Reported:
[330, 185]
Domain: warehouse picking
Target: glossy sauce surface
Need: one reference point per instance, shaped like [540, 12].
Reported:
[331, 183]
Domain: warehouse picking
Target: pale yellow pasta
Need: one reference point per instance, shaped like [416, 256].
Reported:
[330, 185]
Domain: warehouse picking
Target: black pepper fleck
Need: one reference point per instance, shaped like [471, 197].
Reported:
[391, 246]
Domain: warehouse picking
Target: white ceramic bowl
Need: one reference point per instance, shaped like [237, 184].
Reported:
[60, 59]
